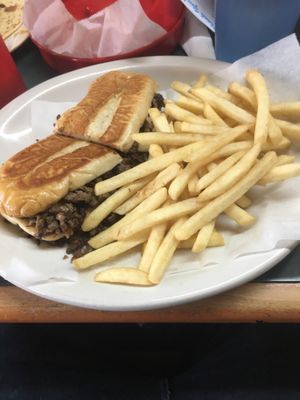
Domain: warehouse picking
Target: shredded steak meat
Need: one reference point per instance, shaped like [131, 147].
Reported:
[158, 101]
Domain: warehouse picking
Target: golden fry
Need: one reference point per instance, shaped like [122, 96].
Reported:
[107, 252]
[232, 175]
[290, 109]
[151, 203]
[219, 170]
[124, 276]
[213, 116]
[152, 245]
[180, 114]
[170, 139]
[244, 202]
[224, 106]
[182, 88]
[216, 240]
[219, 204]
[195, 106]
[203, 237]
[239, 215]
[281, 173]
[161, 180]
[203, 129]
[164, 254]
[95, 217]
[258, 83]
[289, 129]
[167, 213]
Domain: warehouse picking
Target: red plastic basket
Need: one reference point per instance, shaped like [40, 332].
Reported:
[164, 45]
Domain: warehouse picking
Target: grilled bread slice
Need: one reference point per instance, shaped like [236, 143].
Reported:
[42, 174]
[115, 106]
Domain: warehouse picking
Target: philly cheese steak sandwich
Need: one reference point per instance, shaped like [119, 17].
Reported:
[48, 188]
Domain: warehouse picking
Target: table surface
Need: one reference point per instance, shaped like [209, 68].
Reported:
[274, 297]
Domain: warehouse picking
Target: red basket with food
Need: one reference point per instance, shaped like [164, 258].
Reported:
[71, 34]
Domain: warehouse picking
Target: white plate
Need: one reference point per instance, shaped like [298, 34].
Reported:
[26, 265]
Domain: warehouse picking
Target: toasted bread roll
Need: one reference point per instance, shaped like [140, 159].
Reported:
[115, 106]
[39, 176]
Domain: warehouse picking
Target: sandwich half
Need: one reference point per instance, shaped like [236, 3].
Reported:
[115, 106]
[47, 188]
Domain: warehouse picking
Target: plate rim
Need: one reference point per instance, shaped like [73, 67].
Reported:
[29, 96]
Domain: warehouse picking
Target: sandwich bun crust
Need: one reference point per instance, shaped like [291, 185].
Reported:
[115, 106]
[40, 175]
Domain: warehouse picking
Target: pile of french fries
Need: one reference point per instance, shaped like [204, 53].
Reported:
[209, 148]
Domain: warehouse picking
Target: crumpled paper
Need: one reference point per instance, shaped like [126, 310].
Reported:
[196, 40]
[118, 29]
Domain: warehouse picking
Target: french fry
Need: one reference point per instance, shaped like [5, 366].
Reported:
[213, 116]
[275, 133]
[219, 170]
[244, 201]
[180, 114]
[280, 173]
[202, 157]
[216, 240]
[239, 215]
[164, 254]
[167, 213]
[249, 97]
[232, 148]
[259, 86]
[182, 88]
[192, 183]
[95, 217]
[290, 109]
[289, 129]
[161, 180]
[190, 151]
[219, 204]
[146, 168]
[155, 238]
[216, 144]
[285, 159]
[284, 144]
[232, 175]
[107, 252]
[243, 92]
[200, 81]
[203, 237]
[155, 150]
[224, 106]
[195, 106]
[151, 203]
[203, 129]
[159, 120]
[162, 138]
[124, 276]
[221, 93]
